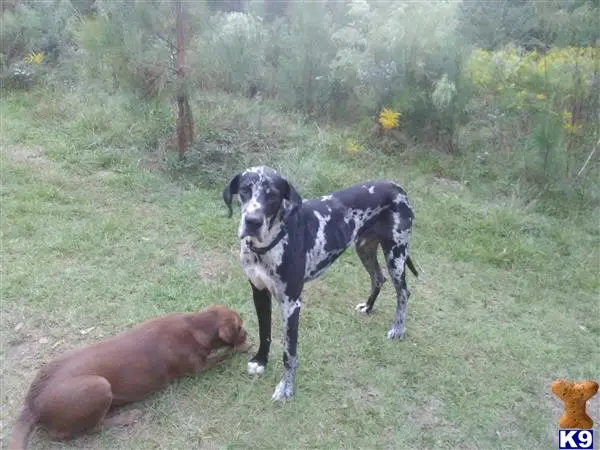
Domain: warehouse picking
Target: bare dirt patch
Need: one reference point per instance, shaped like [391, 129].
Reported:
[429, 413]
[185, 251]
[211, 264]
[452, 184]
[105, 174]
[31, 156]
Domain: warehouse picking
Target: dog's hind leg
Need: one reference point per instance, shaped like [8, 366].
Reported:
[395, 256]
[74, 405]
[367, 252]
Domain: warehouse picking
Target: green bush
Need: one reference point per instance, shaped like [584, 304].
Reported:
[40, 27]
[33, 37]
[544, 109]
[230, 53]
[131, 44]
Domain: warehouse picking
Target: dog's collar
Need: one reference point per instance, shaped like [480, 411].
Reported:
[274, 242]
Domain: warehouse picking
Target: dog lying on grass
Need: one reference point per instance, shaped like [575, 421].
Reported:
[74, 392]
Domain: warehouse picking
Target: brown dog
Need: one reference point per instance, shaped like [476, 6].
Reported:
[74, 392]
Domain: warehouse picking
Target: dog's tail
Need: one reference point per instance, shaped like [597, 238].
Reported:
[411, 266]
[22, 429]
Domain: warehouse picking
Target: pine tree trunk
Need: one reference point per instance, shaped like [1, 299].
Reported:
[185, 121]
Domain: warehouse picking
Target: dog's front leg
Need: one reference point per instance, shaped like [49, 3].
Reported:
[262, 303]
[290, 313]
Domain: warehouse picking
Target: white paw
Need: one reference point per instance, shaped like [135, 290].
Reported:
[362, 308]
[283, 391]
[395, 333]
[255, 368]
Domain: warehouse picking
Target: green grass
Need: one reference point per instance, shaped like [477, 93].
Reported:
[93, 235]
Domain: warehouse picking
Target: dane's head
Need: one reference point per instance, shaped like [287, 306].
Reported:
[266, 198]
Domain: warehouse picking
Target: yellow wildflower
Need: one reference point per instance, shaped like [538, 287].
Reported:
[353, 147]
[388, 119]
[35, 58]
[540, 97]
[569, 125]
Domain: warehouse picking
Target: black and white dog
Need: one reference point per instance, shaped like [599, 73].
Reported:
[287, 241]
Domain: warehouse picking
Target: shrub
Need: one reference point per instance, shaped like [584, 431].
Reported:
[554, 94]
[33, 36]
[131, 44]
[230, 53]
[35, 27]
[304, 50]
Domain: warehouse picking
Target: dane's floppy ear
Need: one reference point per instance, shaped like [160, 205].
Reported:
[230, 190]
[292, 194]
[293, 198]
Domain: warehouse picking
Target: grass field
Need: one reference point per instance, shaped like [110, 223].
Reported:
[95, 238]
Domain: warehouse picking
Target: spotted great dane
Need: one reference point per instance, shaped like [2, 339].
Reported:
[287, 241]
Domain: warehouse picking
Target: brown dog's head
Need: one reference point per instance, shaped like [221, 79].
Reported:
[230, 326]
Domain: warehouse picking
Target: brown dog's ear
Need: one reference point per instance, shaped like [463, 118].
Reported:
[229, 330]
[230, 190]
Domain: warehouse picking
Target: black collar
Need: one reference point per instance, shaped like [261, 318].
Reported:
[274, 242]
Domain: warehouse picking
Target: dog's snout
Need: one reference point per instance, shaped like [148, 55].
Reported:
[253, 222]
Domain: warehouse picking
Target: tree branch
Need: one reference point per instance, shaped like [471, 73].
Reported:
[166, 41]
[588, 159]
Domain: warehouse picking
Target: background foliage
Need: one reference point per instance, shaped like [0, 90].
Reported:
[500, 94]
